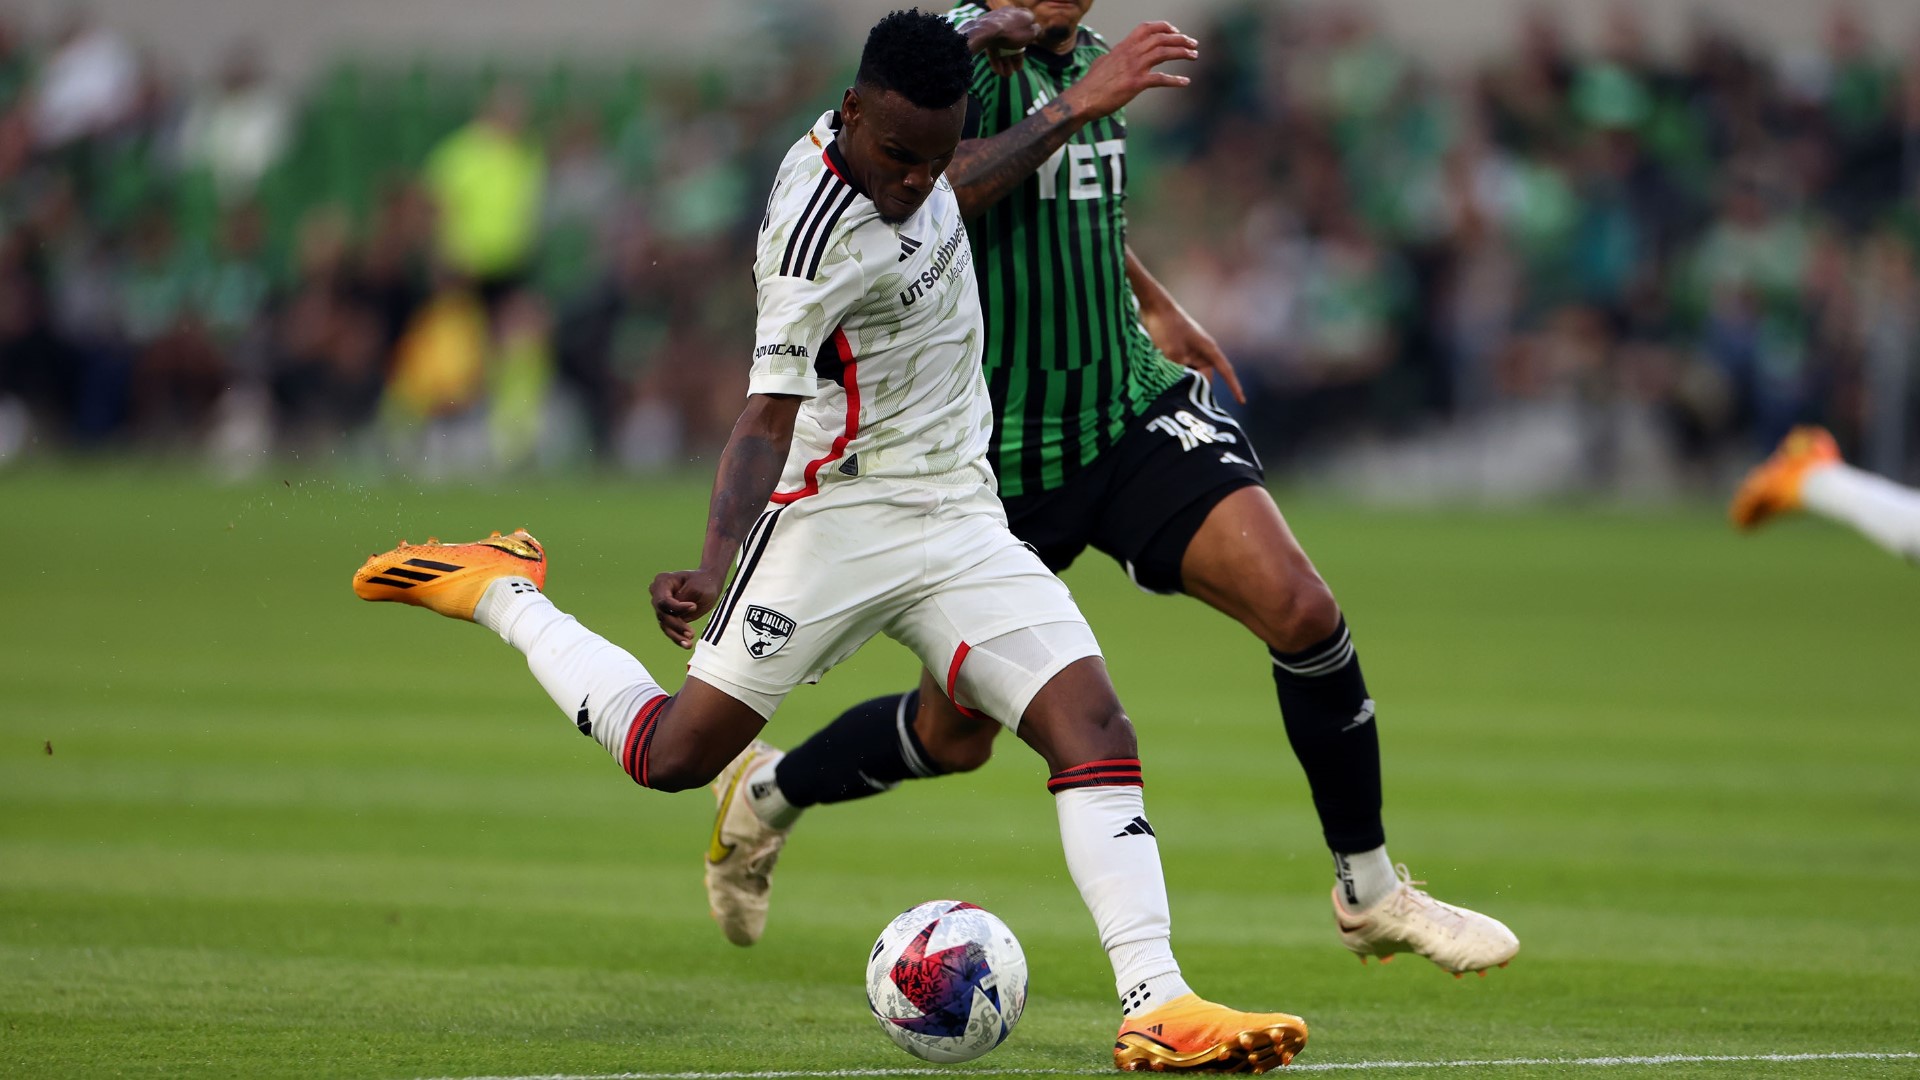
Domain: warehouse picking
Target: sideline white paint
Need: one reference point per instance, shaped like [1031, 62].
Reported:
[1328, 1066]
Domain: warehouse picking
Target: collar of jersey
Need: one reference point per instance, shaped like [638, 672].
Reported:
[1060, 62]
[836, 160]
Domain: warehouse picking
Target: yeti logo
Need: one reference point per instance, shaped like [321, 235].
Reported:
[765, 632]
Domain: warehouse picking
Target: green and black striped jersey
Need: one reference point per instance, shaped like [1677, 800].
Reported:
[1068, 362]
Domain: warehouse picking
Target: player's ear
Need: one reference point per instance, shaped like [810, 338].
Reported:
[850, 108]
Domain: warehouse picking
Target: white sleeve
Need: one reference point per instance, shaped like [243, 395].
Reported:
[797, 316]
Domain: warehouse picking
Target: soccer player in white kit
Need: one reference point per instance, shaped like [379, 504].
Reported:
[855, 494]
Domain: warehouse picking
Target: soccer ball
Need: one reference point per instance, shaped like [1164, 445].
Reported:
[947, 981]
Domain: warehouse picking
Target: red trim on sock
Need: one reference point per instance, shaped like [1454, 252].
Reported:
[639, 739]
[1096, 780]
[1110, 772]
[632, 746]
[1118, 763]
[953, 676]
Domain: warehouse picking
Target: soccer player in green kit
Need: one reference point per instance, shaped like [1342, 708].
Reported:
[1107, 436]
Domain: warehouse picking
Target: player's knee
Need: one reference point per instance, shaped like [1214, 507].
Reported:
[1077, 718]
[668, 767]
[962, 751]
[1107, 731]
[1303, 616]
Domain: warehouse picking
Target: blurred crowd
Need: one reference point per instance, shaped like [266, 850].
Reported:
[457, 266]
[1645, 262]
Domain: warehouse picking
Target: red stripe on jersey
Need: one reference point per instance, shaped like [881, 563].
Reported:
[953, 676]
[812, 474]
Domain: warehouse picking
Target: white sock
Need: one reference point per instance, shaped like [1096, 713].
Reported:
[597, 684]
[1886, 512]
[1114, 858]
[769, 803]
[1366, 878]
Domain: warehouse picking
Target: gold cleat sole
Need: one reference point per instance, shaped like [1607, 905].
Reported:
[1256, 1050]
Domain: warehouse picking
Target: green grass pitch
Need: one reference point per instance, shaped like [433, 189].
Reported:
[250, 826]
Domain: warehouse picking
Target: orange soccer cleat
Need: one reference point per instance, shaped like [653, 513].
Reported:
[450, 578]
[1773, 486]
[1191, 1034]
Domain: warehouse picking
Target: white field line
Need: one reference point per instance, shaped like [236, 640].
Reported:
[1331, 1066]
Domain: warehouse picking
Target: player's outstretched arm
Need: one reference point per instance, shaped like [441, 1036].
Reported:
[985, 170]
[749, 471]
[1175, 332]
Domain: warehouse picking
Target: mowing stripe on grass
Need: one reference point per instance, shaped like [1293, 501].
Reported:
[1330, 1066]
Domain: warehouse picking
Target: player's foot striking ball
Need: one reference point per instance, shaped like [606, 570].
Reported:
[864, 435]
[1409, 920]
[450, 578]
[1192, 1034]
[1107, 435]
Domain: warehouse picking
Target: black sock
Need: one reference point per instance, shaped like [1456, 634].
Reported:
[1329, 719]
[865, 751]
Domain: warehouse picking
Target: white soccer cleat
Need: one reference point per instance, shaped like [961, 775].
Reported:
[1409, 920]
[741, 854]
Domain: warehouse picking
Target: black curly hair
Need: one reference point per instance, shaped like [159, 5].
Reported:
[919, 56]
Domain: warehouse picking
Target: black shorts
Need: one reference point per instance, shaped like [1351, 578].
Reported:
[1142, 501]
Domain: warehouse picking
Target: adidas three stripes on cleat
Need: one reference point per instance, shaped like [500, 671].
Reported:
[450, 578]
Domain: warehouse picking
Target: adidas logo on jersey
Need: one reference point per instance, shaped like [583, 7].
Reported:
[908, 245]
[943, 259]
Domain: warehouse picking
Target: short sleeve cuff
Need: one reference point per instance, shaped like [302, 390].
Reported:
[805, 386]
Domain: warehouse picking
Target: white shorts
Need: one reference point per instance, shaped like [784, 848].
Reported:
[929, 565]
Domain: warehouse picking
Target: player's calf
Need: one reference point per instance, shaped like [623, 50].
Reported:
[607, 694]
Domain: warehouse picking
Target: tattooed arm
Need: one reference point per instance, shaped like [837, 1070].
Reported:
[749, 471]
[985, 170]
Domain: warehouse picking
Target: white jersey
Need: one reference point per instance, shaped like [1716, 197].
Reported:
[878, 326]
